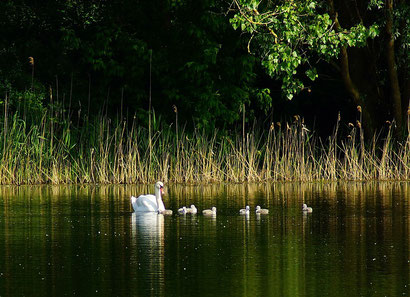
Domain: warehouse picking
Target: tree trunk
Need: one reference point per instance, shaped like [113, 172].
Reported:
[392, 68]
[354, 91]
[347, 80]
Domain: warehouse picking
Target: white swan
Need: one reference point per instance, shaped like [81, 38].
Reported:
[149, 202]
[305, 208]
[245, 211]
[260, 210]
[209, 212]
[182, 210]
[192, 209]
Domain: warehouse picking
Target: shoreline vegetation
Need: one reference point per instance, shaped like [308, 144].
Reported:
[50, 149]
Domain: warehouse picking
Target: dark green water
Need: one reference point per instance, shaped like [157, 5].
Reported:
[84, 241]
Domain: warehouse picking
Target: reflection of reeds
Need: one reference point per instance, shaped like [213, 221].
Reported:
[365, 230]
[288, 193]
[342, 199]
[359, 194]
[105, 151]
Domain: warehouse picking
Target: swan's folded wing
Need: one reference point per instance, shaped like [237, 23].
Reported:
[146, 203]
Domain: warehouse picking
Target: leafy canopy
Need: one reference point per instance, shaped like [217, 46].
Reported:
[290, 36]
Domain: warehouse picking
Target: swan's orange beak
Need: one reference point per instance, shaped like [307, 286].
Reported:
[162, 191]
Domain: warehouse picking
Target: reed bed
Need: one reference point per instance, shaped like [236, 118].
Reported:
[53, 150]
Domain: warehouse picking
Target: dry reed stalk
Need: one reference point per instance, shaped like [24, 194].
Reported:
[115, 154]
[31, 62]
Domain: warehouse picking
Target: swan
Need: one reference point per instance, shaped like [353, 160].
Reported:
[192, 209]
[260, 210]
[182, 210]
[149, 202]
[209, 212]
[305, 208]
[245, 211]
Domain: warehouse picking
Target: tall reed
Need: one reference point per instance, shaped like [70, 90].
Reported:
[53, 150]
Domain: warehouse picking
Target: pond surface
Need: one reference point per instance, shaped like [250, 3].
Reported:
[85, 241]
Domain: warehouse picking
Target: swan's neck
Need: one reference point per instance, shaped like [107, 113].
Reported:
[160, 204]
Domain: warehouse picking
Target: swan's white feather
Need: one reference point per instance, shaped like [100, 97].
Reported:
[149, 202]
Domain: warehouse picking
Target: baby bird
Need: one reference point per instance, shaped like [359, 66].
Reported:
[209, 212]
[182, 210]
[192, 209]
[260, 210]
[245, 211]
[166, 212]
[307, 209]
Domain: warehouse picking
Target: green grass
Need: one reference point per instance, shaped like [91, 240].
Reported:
[54, 150]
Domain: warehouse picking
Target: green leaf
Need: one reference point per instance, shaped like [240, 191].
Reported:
[312, 74]
[289, 96]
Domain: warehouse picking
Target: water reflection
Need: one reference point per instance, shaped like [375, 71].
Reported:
[148, 255]
[83, 240]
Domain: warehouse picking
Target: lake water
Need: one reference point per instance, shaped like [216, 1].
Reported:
[85, 241]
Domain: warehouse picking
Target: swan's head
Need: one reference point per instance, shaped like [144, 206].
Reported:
[214, 209]
[304, 206]
[247, 207]
[193, 206]
[258, 207]
[159, 186]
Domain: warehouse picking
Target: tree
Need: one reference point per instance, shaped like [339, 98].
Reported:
[291, 37]
[99, 51]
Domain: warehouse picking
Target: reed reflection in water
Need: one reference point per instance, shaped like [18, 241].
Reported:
[85, 241]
